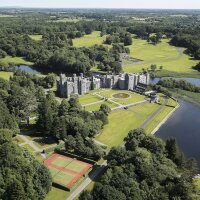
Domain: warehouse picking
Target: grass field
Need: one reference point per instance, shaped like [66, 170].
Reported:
[158, 119]
[133, 97]
[66, 171]
[171, 58]
[6, 75]
[16, 60]
[36, 37]
[95, 107]
[89, 40]
[122, 121]
[88, 98]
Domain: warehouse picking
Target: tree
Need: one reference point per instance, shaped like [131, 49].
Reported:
[128, 40]
[161, 67]
[143, 172]
[47, 111]
[16, 182]
[7, 121]
[153, 67]
[105, 109]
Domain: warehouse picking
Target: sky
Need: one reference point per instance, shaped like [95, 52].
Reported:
[165, 4]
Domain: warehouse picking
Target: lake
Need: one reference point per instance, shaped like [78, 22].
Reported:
[195, 81]
[184, 125]
[28, 69]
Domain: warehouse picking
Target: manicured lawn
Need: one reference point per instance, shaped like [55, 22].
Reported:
[122, 121]
[158, 119]
[62, 162]
[36, 37]
[89, 40]
[75, 166]
[57, 193]
[134, 98]
[16, 60]
[171, 58]
[6, 75]
[88, 98]
[66, 171]
[95, 107]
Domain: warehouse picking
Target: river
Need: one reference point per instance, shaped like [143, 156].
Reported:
[184, 125]
[195, 81]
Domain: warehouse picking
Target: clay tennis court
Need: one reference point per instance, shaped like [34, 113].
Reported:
[65, 170]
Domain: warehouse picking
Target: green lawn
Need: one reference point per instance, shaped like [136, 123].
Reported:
[62, 162]
[28, 147]
[76, 166]
[36, 37]
[95, 107]
[171, 58]
[158, 119]
[122, 121]
[89, 40]
[57, 193]
[88, 98]
[6, 75]
[63, 178]
[15, 60]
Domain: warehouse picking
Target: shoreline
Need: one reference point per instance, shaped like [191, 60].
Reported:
[165, 119]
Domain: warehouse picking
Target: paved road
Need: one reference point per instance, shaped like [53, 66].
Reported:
[154, 114]
[87, 181]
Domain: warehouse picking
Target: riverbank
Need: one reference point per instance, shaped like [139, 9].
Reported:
[165, 119]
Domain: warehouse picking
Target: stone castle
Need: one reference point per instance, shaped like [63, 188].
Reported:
[82, 85]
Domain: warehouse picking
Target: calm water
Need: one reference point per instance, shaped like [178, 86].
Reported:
[194, 81]
[28, 69]
[184, 125]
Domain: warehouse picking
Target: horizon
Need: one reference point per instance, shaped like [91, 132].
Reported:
[111, 4]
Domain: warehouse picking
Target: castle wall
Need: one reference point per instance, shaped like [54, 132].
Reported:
[81, 85]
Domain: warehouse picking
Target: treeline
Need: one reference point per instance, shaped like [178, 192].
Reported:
[189, 41]
[70, 123]
[147, 168]
[20, 96]
[181, 84]
[21, 176]
[55, 53]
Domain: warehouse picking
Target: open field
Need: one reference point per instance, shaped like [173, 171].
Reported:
[16, 60]
[6, 75]
[66, 171]
[163, 54]
[122, 121]
[36, 37]
[89, 40]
